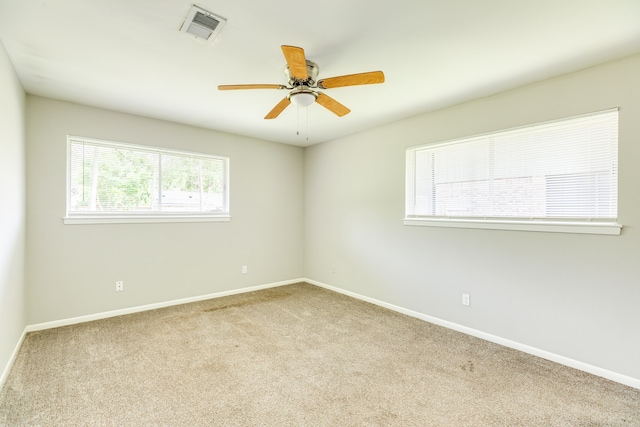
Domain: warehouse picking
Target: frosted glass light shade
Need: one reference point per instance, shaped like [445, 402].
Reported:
[303, 99]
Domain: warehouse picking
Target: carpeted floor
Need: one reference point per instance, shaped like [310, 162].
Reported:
[296, 355]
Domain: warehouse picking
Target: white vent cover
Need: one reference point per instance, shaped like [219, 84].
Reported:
[202, 24]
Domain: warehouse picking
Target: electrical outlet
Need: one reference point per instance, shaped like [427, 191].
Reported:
[465, 299]
[333, 269]
[119, 286]
[244, 269]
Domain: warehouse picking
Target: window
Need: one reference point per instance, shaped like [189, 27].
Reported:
[115, 182]
[555, 176]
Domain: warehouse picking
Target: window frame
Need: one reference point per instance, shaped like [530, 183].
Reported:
[72, 218]
[561, 225]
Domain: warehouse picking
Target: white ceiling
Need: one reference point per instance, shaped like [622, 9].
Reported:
[128, 55]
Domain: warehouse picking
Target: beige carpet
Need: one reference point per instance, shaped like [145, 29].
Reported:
[296, 355]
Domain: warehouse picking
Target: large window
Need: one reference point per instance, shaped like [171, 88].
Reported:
[109, 182]
[556, 176]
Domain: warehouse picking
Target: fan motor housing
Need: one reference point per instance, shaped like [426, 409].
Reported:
[312, 75]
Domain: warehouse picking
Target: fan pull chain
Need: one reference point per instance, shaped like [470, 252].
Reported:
[298, 121]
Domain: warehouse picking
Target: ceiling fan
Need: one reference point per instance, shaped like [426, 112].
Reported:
[303, 83]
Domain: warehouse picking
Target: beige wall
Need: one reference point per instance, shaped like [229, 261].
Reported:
[339, 204]
[576, 296]
[72, 269]
[12, 209]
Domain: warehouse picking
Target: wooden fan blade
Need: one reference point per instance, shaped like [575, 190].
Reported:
[369, 78]
[296, 61]
[256, 86]
[332, 105]
[278, 109]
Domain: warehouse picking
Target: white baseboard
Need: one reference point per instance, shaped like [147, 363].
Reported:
[576, 364]
[595, 370]
[147, 307]
[12, 359]
[130, 310]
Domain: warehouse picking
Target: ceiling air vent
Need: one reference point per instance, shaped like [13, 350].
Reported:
[202, 24]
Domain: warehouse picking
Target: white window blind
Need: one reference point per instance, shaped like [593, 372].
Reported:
[113, 179]
[565, 170]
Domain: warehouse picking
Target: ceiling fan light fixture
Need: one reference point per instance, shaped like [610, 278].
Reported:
[303, 79]
[302, 99]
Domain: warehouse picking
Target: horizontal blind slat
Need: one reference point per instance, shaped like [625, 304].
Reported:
[564, 169]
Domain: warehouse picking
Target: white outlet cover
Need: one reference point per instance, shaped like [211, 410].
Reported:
[465, 299]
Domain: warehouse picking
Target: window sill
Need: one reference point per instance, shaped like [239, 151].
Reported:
[138, 219]
[610, 228]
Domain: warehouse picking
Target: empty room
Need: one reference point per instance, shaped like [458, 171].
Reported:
[347, 213]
